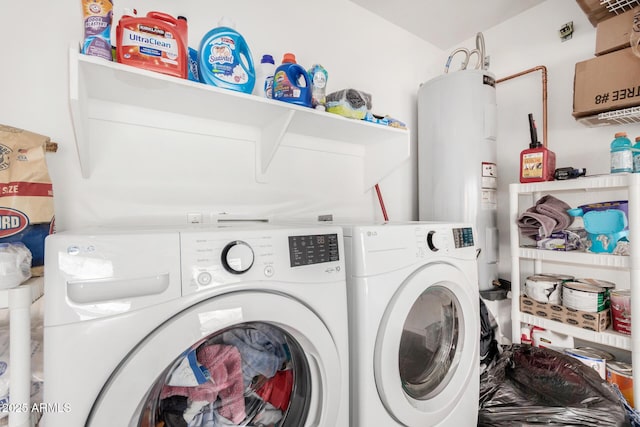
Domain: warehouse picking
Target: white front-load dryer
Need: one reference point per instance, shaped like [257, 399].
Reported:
[414, 324]
[201, 326]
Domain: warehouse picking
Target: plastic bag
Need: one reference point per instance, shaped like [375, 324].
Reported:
[530, 385]
[15, 264]
[349, 103]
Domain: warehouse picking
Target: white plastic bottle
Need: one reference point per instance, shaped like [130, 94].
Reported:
[264, 77]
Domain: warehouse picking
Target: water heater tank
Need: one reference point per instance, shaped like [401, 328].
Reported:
[457, 171]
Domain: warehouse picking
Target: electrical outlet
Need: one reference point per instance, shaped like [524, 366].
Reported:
[566, 32]
[194, 218]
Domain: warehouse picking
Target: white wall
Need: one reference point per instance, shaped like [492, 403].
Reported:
[148, 176]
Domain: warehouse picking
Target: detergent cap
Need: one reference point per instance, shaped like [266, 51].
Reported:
[289, 58]
[267, 59]
[225, 21]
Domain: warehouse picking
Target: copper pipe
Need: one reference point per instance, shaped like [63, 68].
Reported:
[544, 95]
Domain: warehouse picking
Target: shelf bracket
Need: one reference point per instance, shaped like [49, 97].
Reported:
[270, 138]
[79, 113]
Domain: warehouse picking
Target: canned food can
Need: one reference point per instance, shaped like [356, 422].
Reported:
[621, 310]
[597, 282]
[560, 277]
[591, 358]
[542, 288]
[620, 374]
[584, 297]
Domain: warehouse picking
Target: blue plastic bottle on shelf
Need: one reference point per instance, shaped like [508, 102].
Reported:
[291, 82]
[636, 155]
[621, 154]
[224, 59]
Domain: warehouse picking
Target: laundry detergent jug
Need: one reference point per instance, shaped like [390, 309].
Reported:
[157, 42]
[291, 82]
[224, 59]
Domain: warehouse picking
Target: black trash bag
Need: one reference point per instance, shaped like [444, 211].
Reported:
[537, 386]
[489, 349]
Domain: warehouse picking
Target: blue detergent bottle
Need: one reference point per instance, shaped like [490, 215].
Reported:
[291, 82]
[224, 59]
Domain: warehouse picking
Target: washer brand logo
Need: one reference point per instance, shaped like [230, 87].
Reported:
[4, 157]
[12, 222]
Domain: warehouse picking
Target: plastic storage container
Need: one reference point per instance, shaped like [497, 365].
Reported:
[264, 77]
[224, 59]
[621, 154]
[156, 42]
[291, 82]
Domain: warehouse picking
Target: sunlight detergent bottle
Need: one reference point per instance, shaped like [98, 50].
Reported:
[291, 82]
[224, 59]
[157, 42]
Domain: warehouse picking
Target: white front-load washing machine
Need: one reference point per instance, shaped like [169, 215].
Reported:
[413, 324]
[199, 326]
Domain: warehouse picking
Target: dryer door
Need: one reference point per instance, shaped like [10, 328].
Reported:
[426, 350]
[243, 358]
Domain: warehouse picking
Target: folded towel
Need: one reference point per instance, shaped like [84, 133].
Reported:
[556, 209]
[549, 214]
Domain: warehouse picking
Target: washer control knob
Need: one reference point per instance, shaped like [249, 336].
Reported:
[435, 241]
[237, 257]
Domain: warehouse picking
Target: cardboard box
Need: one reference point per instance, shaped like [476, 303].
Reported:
[594, 10]
[607, 82]
[614, 33]
[597, 322]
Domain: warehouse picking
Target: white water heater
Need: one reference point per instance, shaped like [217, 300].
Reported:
[457, 171]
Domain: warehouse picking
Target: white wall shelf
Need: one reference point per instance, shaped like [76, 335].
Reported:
[115, 92]
[625, 182]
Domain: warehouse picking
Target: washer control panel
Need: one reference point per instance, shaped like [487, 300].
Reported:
[313, 249]
[228, 256]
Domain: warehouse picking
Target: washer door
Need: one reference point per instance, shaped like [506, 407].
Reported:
[153, 373]
[427, 345]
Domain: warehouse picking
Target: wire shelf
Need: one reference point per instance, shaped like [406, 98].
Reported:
[619, 6]
[624, 116]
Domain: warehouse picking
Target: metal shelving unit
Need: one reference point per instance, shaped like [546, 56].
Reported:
[629, 183]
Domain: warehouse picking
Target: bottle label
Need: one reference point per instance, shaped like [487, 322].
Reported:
[142, 43]
[223, 60]
[283, 88]
[532, 165]
[636, 162]
[622, 161]
[268, 87]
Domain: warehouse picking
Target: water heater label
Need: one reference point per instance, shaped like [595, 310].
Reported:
[488, 80]
[489, 175]
[489, 199]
